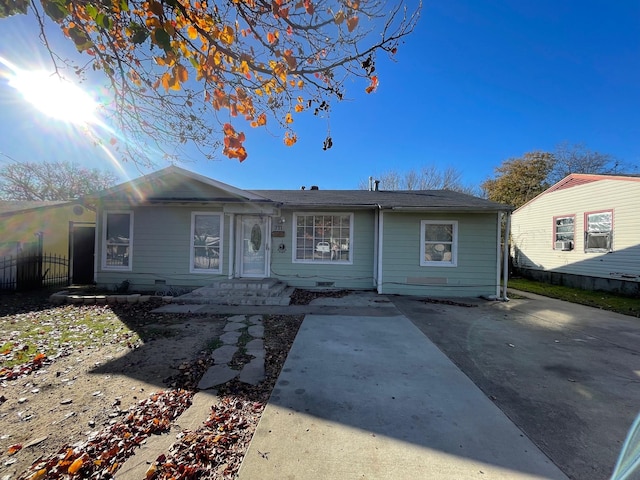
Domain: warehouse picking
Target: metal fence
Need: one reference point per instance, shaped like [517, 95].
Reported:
[30, 271]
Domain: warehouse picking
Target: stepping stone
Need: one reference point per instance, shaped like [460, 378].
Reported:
[230, 338]
[224, 354]
[255, 347]
[237, 318]
[230, 326]
[256, 331]
[253, 372]
[217, 375]
[255, 320]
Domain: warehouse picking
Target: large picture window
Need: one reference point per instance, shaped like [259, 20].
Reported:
[118, 238]
[438, 243]
[206, 242]
[598, 235]
[323, 237]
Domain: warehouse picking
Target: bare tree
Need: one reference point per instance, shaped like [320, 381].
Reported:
[51, 181]
[429, 177]
[577, 158]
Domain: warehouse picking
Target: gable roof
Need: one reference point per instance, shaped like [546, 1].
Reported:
[576, 179]
[145, 188]
[149, 189]
[12, 207]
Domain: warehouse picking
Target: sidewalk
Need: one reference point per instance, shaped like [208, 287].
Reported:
[371, 397]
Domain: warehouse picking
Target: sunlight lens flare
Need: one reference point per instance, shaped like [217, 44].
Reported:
[53, 95]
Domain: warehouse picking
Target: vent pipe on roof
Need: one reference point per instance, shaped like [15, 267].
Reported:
[315, 187]
[376, 184]
[370, 183]
[302, 187]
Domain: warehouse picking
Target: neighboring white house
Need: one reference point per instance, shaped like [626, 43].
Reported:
[175, 227]
[584, 231]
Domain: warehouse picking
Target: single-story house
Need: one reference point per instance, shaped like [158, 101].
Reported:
[64, 229]
[584, 231]
[175, 227]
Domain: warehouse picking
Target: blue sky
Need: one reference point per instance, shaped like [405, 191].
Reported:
[478, 82]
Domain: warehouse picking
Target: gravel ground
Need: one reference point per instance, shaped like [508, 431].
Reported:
[81, 387]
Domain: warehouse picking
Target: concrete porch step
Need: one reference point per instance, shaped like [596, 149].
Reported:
[240, 292]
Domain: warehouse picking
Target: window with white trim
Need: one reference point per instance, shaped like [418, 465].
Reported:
[564, 231]
[598, 235]
[323, 237]
[118, 240]
[438, 243]
[206, 242]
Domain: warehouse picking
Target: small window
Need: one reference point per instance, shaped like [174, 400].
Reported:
[598, 235]
[439, 243]
[118, 236]
[323, 238]
[564, 232]
[206, 243]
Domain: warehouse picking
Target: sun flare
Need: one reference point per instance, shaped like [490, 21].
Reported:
[53, 95]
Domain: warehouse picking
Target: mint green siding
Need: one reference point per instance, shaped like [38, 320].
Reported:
[356, 275]
[476, 270]
[161, 249]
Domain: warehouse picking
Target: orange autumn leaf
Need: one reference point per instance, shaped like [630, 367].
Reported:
[288, 118]
[181, 73]
[192, 32]
[151, 471]
[260, 121]
[308, 6]
[352, 23]
[290, 59]
[13, 449]
[290, 140]
[226, 36]
[373, 85]
[39, 358]
[272, 37]
[75, 466]
[40, 474]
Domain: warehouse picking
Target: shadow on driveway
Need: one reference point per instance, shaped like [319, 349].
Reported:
[567, 375]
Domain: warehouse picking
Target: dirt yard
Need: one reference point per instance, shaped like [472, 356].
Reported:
[82, 386]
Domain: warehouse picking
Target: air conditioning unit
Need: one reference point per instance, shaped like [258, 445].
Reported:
[564, 245]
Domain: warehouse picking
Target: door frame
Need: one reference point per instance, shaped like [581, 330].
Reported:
[266, 234]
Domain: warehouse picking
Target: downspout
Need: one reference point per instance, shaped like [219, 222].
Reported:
[97, 251]
[380, 247]
[376, 219]
[498, 251]
[505, 261]
[232, 244]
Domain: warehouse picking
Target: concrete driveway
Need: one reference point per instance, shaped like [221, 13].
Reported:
[567, 375]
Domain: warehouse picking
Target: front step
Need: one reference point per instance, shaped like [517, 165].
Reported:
[268, 291]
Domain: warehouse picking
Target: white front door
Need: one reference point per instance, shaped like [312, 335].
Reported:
[254, 246]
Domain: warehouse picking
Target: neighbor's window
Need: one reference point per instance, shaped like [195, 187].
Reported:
[564, 229]
[439, 243]
[323, 237]
[206, 242]
[118, 240]
[598, 235]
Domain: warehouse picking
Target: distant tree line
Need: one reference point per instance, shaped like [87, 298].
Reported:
[516, 181]
[51, 181]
